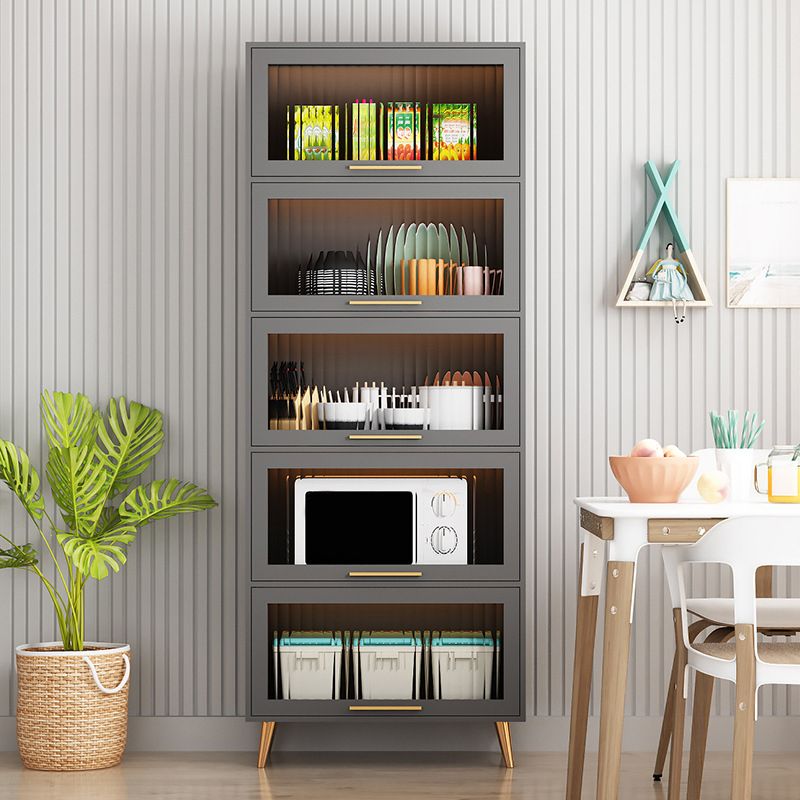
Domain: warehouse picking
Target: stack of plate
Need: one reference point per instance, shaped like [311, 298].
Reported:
[427, 259]
[336, 272]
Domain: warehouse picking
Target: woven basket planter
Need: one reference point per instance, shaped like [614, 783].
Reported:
[72, 707]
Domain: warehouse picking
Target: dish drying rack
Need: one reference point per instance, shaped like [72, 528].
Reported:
[422, 259]
[455, 401]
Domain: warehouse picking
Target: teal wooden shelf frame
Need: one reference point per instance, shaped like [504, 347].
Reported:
[664, 206]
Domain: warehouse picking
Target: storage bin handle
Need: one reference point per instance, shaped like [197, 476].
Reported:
[122, 683]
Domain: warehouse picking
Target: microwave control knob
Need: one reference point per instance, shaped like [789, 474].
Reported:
[443, 504]
[444, 540]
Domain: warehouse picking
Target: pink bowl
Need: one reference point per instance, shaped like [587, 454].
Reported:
[653, 480]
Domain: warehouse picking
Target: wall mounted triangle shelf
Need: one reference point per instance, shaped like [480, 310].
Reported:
[683, 251]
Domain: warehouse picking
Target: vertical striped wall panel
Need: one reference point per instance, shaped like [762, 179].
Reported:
[121, 225]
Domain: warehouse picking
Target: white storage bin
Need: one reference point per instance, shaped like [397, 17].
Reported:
[388, 664]
[311, 665]
[462, 665]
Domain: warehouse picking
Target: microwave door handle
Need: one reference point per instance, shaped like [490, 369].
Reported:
[415, 554]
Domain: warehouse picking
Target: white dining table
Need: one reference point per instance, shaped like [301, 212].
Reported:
[614, 531]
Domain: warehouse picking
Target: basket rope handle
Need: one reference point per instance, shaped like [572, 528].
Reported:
[121, 683]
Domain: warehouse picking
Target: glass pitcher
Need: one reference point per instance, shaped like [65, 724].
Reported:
[783, 474]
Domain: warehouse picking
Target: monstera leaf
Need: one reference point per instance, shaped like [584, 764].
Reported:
[80, 486]
[128, 441]
[19, 475]
[94, 554]
[163, 499]
[69, 420]
[18, 555]
[109, 519]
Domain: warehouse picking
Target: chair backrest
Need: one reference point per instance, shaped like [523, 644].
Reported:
[744, 544]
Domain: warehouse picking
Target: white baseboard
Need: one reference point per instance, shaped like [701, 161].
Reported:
[544, 734]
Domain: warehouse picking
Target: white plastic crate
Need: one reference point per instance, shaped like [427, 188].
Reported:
[387, 664]
[310, 664]
[462, 665]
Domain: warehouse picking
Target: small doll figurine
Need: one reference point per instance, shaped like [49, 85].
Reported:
[670, 283]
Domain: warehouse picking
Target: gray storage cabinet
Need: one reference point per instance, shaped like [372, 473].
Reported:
[273, 587]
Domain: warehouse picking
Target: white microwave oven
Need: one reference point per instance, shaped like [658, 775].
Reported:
[380, 521]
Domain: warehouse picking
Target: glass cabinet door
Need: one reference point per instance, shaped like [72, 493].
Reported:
[372, 112]
[409, 247]
[385, 652]
[377, 538]
[410, 381]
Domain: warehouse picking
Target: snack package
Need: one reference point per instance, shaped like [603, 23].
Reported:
[451, 132]
[355, 153]
[403, 132]
[390, 131]
[305, 133]
[314, 133]
[465, 143]
[434, 133]
[336, 132]
[474, 131]
[347, 146]
[363, 130]
[417, 131]
[372, 123]
[379, 114]
[298, 134]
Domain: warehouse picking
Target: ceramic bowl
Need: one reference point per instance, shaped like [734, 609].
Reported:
[653, 480]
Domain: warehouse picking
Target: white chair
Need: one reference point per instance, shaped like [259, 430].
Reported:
[718, 614]
[744, 544]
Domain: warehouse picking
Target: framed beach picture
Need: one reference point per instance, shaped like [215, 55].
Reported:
[763, 243]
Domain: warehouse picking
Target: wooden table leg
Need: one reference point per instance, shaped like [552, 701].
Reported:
[504, 736]
[678, 710]
[585, 628]
[616, 649]
[265, 743]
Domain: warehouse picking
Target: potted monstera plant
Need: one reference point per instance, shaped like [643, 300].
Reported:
[72, 695]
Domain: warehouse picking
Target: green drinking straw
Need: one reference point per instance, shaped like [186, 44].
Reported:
[724, 429]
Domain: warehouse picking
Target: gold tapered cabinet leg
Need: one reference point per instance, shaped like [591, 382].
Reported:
[504, 737]
[265, 743]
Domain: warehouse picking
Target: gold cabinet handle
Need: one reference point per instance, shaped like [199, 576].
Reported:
[386, 708]
[385, 436]
[384, 302]
[384, 574]
[407, 167]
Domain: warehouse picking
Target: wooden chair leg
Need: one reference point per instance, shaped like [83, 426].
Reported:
[678, 713]
[695, 629]
[744, 719]
[703, 693]
[504, 736]
[265, 743]
[666, 724]
[701, 711]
